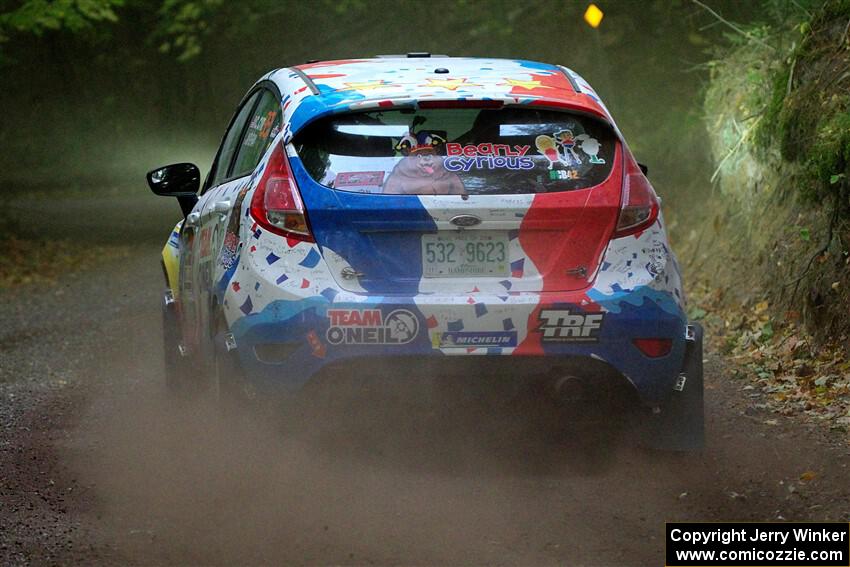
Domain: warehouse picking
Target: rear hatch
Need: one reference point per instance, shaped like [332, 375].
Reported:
[412, 200]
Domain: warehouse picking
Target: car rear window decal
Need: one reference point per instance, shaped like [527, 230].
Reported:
[457, 151]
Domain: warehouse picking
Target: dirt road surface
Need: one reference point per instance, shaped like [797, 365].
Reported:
[99, 466]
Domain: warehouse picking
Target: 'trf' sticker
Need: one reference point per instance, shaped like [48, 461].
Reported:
[562, 326]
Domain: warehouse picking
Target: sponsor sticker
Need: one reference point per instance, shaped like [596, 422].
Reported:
[487, 156]
[473, 339]
[359, 179]
[487, 162]
[371, 327]
[563, 326]
[563, 174]
[486, 149]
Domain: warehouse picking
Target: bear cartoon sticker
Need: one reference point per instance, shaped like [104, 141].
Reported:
[421, 171]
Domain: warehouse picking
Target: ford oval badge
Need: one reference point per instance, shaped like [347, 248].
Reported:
[464, 221]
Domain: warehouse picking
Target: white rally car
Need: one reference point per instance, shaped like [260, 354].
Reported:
[434, 209]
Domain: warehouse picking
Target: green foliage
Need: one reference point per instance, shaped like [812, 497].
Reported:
[766, 331]
[783, 11]
[808, 113]
[836, 9]
[788, 174]
[183, 26]
[38, 16]
[344, 7]
[696, 313]
[829, 156]
[767, 128]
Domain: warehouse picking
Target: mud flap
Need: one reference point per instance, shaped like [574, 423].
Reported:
[175, 366]
[228, 371]
[680, 426]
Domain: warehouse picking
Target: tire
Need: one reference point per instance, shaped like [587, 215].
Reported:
[681, 424]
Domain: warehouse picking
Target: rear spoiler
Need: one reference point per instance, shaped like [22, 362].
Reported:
[581, 105]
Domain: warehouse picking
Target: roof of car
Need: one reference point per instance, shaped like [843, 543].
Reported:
[315, 89]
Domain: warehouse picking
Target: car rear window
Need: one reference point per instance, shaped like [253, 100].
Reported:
[457, 151]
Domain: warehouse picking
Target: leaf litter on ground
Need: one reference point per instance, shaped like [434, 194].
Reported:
[786, 371]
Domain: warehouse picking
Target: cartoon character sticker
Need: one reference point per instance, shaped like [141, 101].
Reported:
[560, 149]
[566, 143]
[591, 147]
[546, 146]
[421, 171]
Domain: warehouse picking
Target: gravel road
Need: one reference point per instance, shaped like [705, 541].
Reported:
[99, 466]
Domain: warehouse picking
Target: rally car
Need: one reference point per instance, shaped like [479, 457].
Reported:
[427, 209]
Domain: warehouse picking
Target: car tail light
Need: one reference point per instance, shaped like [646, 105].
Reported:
[654, 348]
[639, 208]
[276, 204]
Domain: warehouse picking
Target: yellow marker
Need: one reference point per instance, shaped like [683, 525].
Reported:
[593, 16]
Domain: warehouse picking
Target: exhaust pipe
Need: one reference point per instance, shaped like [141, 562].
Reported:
[569, 389]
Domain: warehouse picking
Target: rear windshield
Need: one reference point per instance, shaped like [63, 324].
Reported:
[457, 151]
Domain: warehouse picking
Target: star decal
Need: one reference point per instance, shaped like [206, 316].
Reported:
[368, 85]
[449, 84]
[540, 84]
[522, 84]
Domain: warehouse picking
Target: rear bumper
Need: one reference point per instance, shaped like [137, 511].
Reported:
[288, 343]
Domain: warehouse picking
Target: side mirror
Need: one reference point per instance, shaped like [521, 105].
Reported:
[181, 180]
[644, 169]
[176, 180]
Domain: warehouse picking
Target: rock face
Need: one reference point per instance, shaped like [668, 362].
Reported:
[779, 131]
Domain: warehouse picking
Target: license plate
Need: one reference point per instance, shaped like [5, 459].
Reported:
[465, 253]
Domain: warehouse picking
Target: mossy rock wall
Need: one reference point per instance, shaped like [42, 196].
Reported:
[778, 122]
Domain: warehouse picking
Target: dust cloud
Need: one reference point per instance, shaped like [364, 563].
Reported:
[378, 467]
